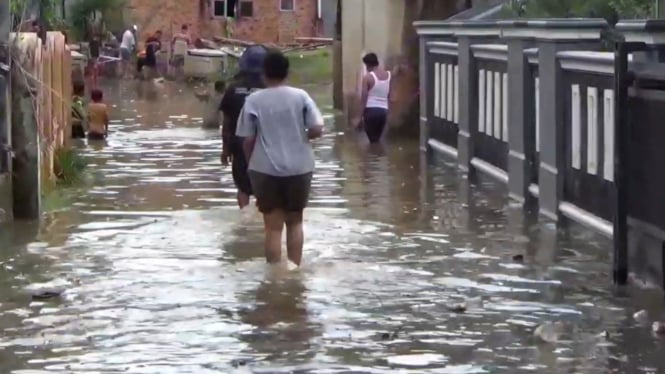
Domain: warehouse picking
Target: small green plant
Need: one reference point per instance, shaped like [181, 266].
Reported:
[69, 167]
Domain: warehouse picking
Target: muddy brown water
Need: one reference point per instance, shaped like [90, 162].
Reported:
[162, 273]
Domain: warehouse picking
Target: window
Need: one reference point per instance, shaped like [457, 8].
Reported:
[224, 8]
[246, 9]
[287, 5]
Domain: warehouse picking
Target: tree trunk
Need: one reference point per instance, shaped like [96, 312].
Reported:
[405, 104]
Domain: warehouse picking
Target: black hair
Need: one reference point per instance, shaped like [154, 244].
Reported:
[185, 27]
[220, 86]
[371, 60]
[97, 95]
[78, 88]
[276, 65]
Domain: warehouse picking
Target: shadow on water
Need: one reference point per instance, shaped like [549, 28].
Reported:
[162, 273]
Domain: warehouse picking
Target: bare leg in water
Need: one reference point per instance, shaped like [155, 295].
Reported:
[243, 199]
[294, 236]
[273, 225]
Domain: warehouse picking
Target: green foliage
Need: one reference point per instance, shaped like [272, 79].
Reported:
[69, 166]
[612, 10]
[82, 12]
[47, 7]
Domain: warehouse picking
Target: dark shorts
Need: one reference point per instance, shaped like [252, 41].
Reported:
[374, 120]
[96, 136]
[289, 194]
[178, 61]
[78, 132]
[239, 168]
[125, 54]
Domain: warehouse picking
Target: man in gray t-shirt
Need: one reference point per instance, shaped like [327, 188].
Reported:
[278, 123]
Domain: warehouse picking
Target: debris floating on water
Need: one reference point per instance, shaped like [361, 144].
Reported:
[518, 258]
[549, 332]
[641, 316]
[457, 308]
[658, 328]
[46, 295]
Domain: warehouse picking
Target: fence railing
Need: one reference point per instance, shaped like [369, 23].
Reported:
[532, 104]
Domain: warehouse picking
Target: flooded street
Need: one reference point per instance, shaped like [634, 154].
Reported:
[407, 268]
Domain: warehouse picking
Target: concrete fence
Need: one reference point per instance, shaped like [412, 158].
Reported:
[532, 105]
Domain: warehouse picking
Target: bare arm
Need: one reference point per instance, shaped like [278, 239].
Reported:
[313, 119]
[367, 83]
[106, 121]
[248, 147]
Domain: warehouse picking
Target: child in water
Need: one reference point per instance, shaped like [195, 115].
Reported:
[98, 116]
[79, 120]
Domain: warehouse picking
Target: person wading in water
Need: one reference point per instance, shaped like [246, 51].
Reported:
[278, 124]
[248, 80]
[375, 98]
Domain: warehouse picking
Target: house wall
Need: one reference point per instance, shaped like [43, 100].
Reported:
[367, 25]
[268, 25]
[329, 17]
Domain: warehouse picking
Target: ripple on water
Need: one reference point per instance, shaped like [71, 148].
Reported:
[162, 274]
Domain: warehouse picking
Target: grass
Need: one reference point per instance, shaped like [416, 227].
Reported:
[312, 67]
[69, 167]
[70, 170]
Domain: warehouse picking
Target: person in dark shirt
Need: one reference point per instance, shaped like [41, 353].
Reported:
[94, 47]
[152, 46]
[248, 80]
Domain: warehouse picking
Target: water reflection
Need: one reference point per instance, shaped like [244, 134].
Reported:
[282, 330]
[164, 275]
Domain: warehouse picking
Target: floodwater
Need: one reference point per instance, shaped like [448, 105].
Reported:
[409, 268]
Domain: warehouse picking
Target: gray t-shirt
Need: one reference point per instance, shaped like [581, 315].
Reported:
[279, 117]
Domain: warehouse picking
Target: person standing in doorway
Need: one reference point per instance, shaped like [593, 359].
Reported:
[247, 81]
[375, 98]
[278, 124]
[127, 46]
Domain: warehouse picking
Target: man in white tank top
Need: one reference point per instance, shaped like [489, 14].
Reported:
[375, 98]
[179, 45]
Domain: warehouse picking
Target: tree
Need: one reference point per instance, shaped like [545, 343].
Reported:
[87, 14]
[405, 109]
[611, 10]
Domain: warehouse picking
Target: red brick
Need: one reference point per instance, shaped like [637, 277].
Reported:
[268, 25]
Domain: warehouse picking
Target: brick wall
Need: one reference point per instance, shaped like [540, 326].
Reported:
[268, 25]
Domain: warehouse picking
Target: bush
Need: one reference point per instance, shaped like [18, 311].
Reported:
[69, 166]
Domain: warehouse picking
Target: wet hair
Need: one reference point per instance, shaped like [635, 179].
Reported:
[276, 65]
[184, 27]
[97, 95]
[78, 88]
[220, 86]
[371, 60]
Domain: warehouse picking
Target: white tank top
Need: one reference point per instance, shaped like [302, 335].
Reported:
[377, 97]
[180, 47]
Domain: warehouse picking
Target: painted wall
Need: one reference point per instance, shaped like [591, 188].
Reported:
[329, 16]
[367, 25]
